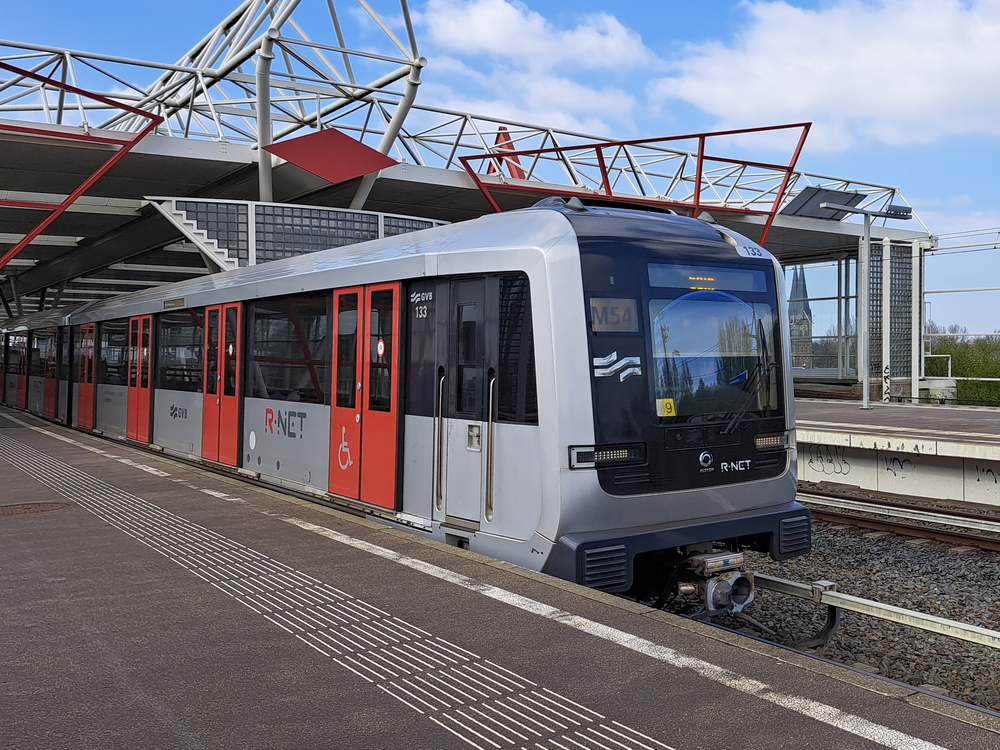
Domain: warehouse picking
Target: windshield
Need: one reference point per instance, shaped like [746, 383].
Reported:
[713, 350]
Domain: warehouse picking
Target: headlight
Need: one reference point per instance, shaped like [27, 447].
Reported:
[600, 456]
[771, 442]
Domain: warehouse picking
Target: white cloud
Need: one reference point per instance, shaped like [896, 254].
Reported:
[501, 59]
[508, 30]
[898, 72]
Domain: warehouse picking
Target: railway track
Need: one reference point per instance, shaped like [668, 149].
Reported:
[898, 518]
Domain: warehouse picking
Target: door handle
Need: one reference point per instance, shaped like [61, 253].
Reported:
[439, 466]
[489, 450]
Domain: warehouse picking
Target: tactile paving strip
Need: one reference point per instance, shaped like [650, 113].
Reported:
[482, 703]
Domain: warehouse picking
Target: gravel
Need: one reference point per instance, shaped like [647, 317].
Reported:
[955, 583]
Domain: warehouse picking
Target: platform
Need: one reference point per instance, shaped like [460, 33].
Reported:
[166, 606]
[922, 450]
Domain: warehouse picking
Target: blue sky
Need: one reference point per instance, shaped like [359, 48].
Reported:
[901, 92]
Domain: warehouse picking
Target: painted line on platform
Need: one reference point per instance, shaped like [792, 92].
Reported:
[93, 449]
[469, 696]
[813, 709]
[816, 710]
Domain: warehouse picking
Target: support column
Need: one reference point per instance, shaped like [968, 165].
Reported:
[264, 56]
[391, 130]
[17, 296]
[840, 319]
[864, 288]
[886, 318]
[916, 319]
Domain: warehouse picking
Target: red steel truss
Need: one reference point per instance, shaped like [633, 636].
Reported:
[56, 210]
[504, 153]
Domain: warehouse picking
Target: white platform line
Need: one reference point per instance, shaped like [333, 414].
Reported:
[816, 710]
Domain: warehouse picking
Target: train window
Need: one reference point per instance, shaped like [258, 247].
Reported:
[468, 358]
[133, 353]
[114, 353]
[144, 355]
[64, 354]
[36, 367]
[229, 353]
[43, 353]
[380, 345]
[212, 353]
[15, 353]
[180, 346]
[290, 348]
[347, 349]
[516, 394]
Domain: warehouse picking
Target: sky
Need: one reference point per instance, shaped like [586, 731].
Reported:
[900, 92]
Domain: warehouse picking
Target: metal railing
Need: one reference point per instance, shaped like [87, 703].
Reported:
[824, 592]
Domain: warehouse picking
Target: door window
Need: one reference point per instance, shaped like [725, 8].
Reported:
[468, 362]
[212, 354]
[347, 348]
[380, 360]
[144, 356]
[229, 354]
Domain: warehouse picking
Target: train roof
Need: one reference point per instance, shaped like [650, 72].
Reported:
[404, 256]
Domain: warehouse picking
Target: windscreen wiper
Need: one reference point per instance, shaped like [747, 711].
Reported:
[763, 366]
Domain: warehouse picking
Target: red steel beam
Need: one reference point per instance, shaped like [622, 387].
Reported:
[56, 210]
[784, 183]
[598, 148]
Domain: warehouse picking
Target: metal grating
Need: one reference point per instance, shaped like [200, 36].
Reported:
[900, 311]
[393, 225]
[478, 701]
[287, 231]
[605, 567]
[226, 223]
[794, 535]
[875, 312]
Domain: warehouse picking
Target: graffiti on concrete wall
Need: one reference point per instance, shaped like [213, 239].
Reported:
[829, 459]
[898, 466]
[986, 474]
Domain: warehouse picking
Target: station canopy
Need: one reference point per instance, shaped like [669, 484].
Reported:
[119, 174]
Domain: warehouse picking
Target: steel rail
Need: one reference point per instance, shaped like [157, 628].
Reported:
[956, 518]
[824, 592]
[908, 529]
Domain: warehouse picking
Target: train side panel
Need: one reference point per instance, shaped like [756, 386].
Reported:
[177, 420]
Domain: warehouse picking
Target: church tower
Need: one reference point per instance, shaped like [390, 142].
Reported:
[800, 318]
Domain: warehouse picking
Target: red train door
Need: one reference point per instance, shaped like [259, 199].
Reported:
[139, 340]
[363, 416]
[85, 376]
[221, 412]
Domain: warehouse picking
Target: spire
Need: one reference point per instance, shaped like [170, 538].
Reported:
[799, 292]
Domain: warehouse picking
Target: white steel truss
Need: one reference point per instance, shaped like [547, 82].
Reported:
[214, 91]
[261, 70]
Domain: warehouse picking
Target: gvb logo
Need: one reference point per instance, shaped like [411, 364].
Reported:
[605, 367]
[285, 423]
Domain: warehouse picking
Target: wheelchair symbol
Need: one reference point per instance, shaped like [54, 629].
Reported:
[344, 454]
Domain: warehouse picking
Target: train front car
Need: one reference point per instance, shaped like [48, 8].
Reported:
[693, 460]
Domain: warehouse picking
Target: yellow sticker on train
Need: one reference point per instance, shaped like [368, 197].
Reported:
[665, 407]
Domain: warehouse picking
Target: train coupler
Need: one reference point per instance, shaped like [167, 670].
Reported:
[721, 585]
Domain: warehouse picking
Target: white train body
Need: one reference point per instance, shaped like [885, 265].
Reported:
[507, 391]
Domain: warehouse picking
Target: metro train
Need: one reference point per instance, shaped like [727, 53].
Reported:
[596, 393]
